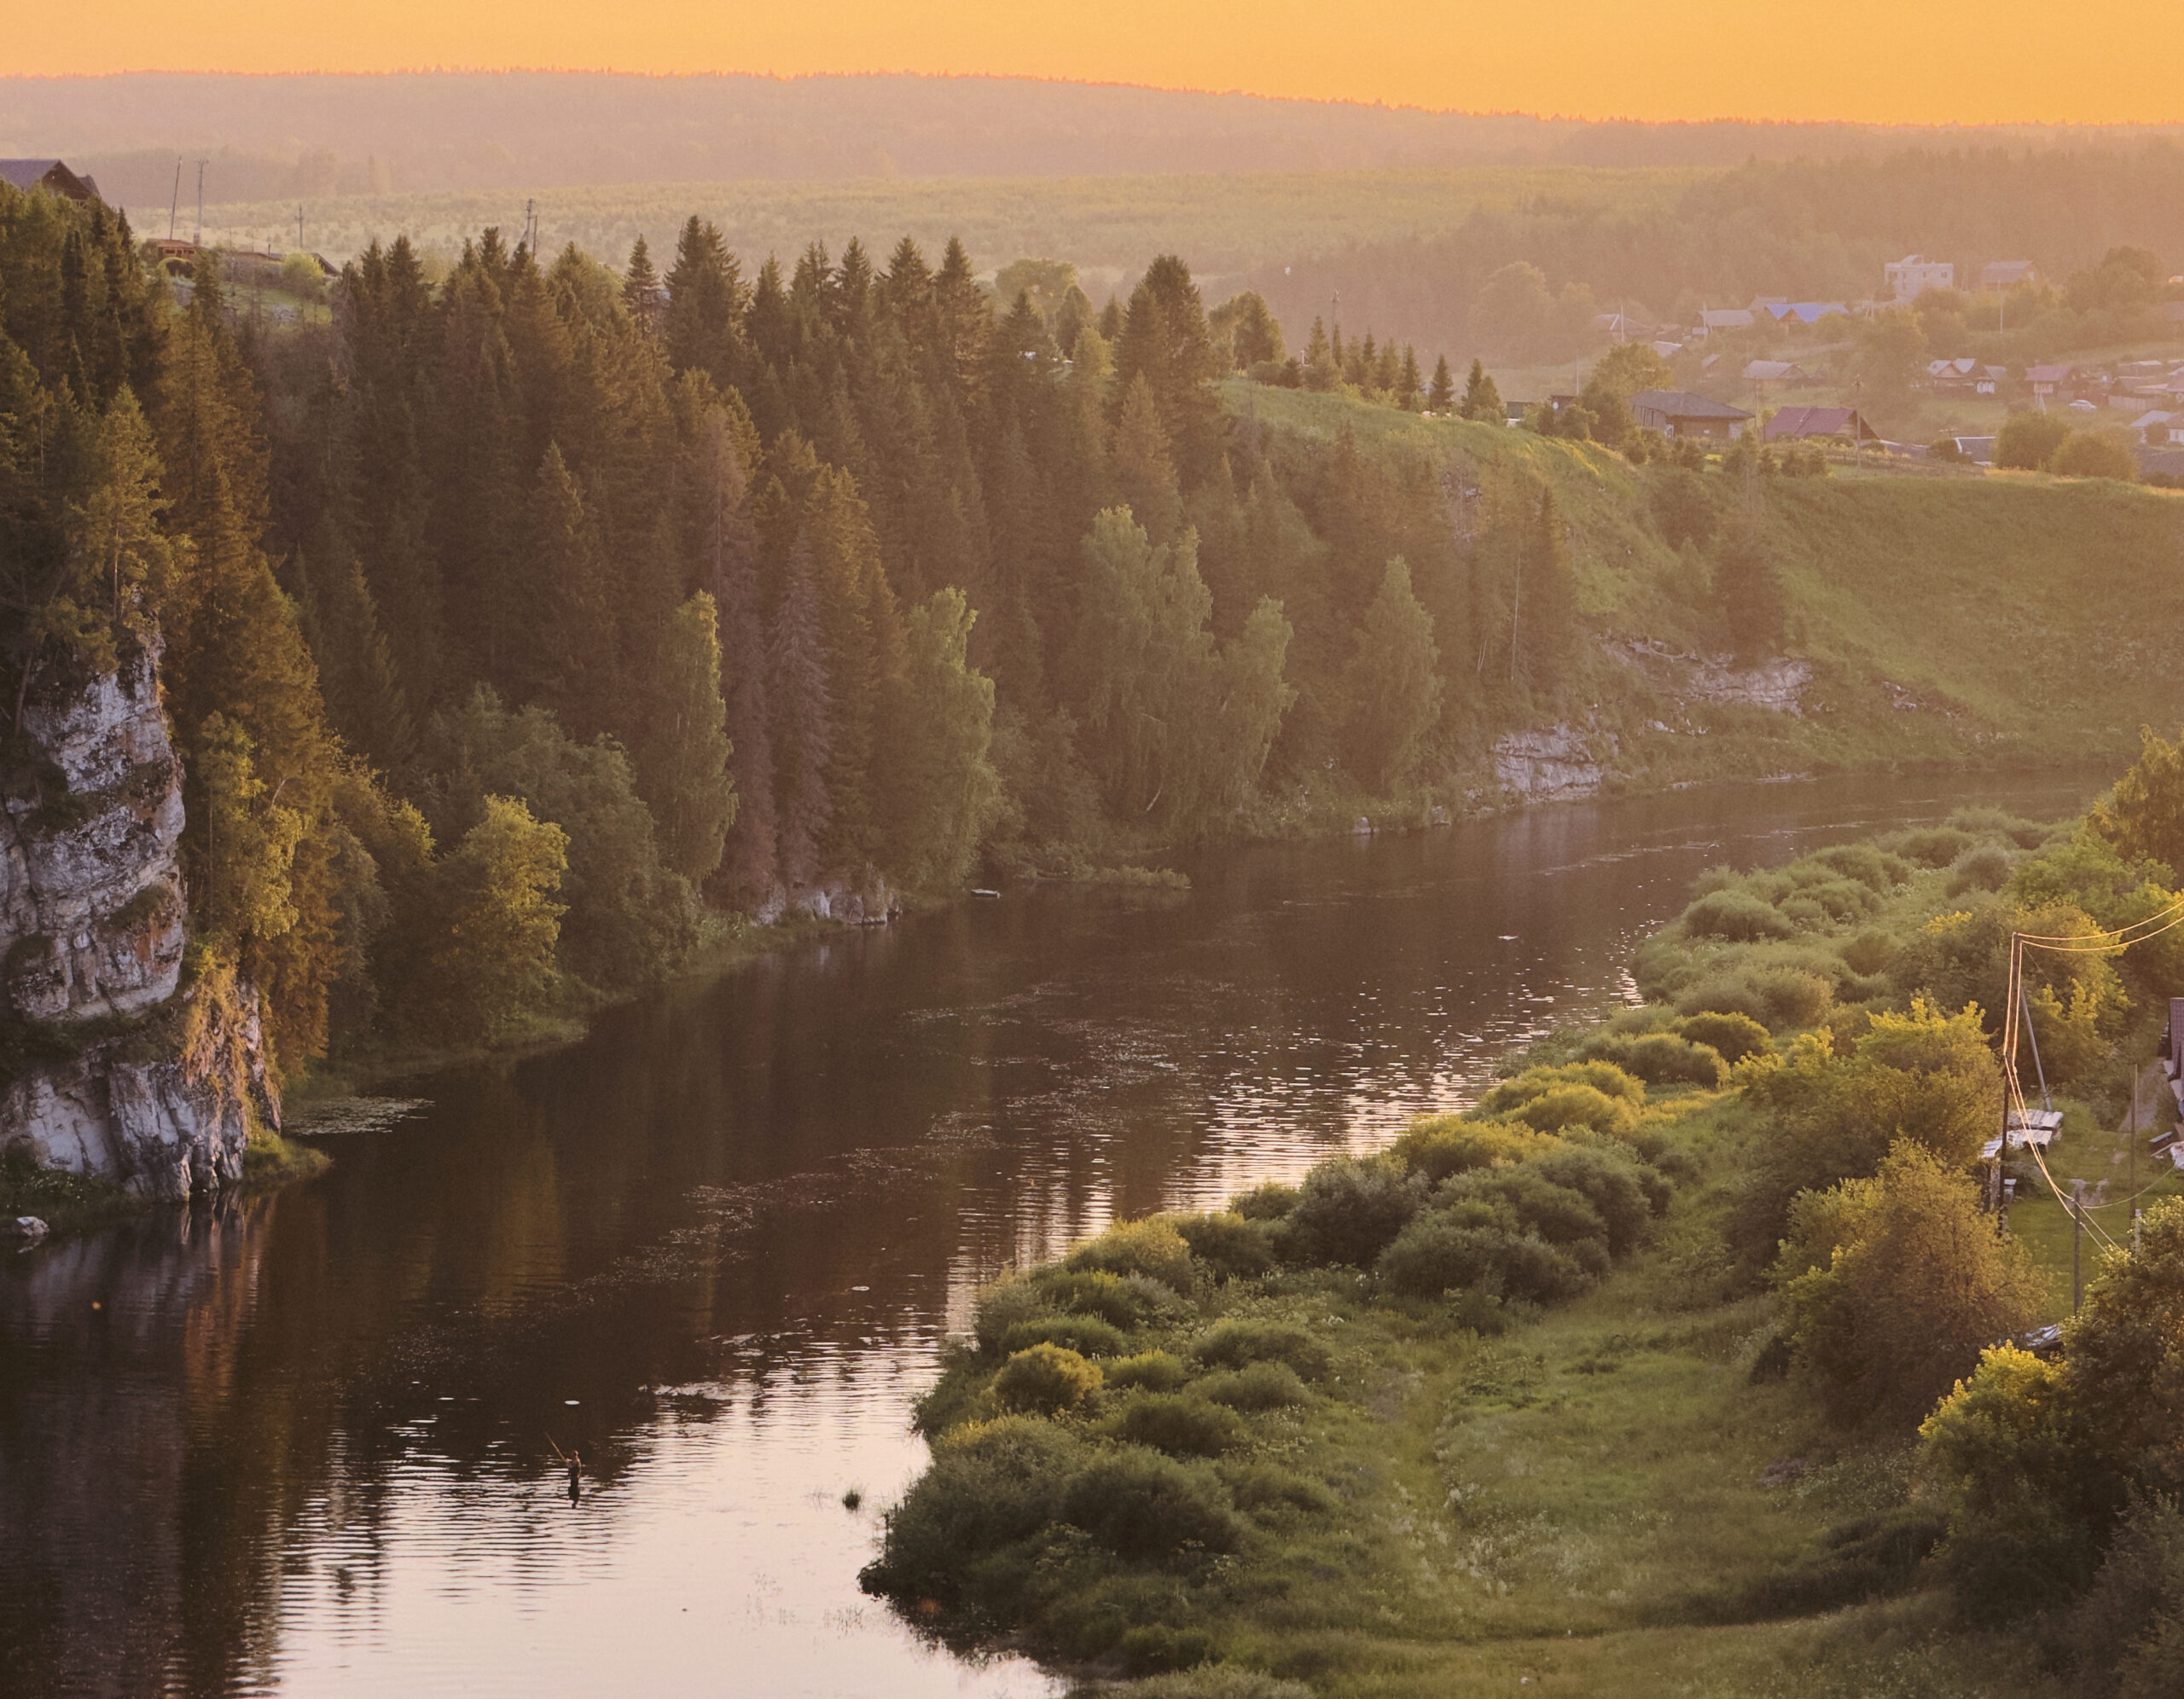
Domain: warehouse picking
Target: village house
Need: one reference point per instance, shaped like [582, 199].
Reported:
[1807, 424]
[1767, 376]
[2046, 381]
[1910, 277]
[2158, 428]
[1999, 275]
[1711, 319]
[1678, 413]
[48, 174]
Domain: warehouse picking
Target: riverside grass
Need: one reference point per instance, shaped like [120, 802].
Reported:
[1620, 1494]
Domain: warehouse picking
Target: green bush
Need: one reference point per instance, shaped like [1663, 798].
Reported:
[1093, 1292]
[1348, 1209]
[1151, 1247]
[1182, 1425]
[990, 1485]
[1257, 1386]
[1000, 1307]
[1261, 1489]
[1447, 1251]
[1933, 846]
[1232, 1343]
[1045, 1379]
[1147, 1371]
[1731, 1036]
[1437, 1145]
[1624, 1192]
[1086, 1335]
[1867, 864]
[1986, 867]
[1737, 916]
[1660, 1058]
[1270, 1201]
[1231, 1246]
[1775, 997]
[1538, 1206]
[1138, 1504]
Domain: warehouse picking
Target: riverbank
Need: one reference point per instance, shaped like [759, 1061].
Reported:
[1470, 1413]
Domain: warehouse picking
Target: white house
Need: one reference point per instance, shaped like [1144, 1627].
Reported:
[1914, 274]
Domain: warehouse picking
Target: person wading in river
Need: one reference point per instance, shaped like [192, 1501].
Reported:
[575, 1462]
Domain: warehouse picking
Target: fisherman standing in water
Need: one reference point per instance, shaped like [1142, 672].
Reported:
[575, 1462]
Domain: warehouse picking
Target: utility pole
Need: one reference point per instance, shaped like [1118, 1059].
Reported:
[2077, 1233]
[174, 205]
[2138, 1132]
[200, 201]
[300, 226]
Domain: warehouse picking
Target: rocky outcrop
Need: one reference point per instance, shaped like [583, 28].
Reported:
[90, 887]
[114, 1069]
[1553, 765]
[1778, 686]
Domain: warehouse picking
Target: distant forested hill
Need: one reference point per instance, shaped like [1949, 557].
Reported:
[271, 138]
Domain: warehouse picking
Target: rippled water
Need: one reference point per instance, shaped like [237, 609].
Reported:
[309, 1443]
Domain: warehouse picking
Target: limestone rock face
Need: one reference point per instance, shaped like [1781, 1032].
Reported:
[1553, 765]
[90, 889]
[124, 1076]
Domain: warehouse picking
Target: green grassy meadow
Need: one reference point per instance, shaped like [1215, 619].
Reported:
[1990, 619]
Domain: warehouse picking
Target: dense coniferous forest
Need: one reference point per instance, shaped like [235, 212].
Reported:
[513, 626]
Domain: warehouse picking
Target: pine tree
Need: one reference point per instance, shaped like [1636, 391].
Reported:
[562, 608]
[1441, 395]
[724, 554]
[683, 763]
[940, 792]
[639, 283]
[364, 699]
[1144, 476]
[1407, 381]
[1482, 400]
[1394, 684]
[1546, 636]
[797, 686]
[703, 326]
[1165, 342]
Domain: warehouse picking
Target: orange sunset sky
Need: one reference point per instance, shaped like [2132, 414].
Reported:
[1970, 61]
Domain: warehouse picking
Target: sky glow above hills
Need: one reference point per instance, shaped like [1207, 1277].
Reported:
[1922, 61]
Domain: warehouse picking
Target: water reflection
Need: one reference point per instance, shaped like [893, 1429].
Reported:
[312, 1443]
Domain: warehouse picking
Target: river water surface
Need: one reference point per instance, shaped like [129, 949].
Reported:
[309, 1443]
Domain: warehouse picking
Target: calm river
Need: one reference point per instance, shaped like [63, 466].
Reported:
[307, 1444]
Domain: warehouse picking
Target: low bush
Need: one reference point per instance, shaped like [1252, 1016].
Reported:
[990, 1485]
[1437, 1145]
[1093, 1292]
[1237, 1341]
[1230, 1245]
[1180, 1423]
[1086, 1335]
[1155, 1647]
[1465, 1247]
[1267, 1203]
[1867, 864]
[1217, 1681]
[1934, 846]
[1660, 1058]
[1731, 1036]
[1737, 916]
[1985, 868]
[1347, 1210]
[1010, 1300]
[1625, 1193]
[1261, 1489]
[1776, 998]
[1258, 1386]
[1046, 1380]
[1139, 1503]
[1535, 1203]
[1152, 1248]
[1147, 1371]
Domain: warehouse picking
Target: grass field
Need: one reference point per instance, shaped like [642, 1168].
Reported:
[1109, 227]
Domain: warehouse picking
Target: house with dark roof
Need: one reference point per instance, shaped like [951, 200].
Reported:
[1678, 413]
[1803, 424]
[48, 174]
[1768, 375]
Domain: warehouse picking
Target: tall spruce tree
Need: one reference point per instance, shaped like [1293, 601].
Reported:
[798, 688]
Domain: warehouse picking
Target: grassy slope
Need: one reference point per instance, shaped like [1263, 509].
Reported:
[2025, 616]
